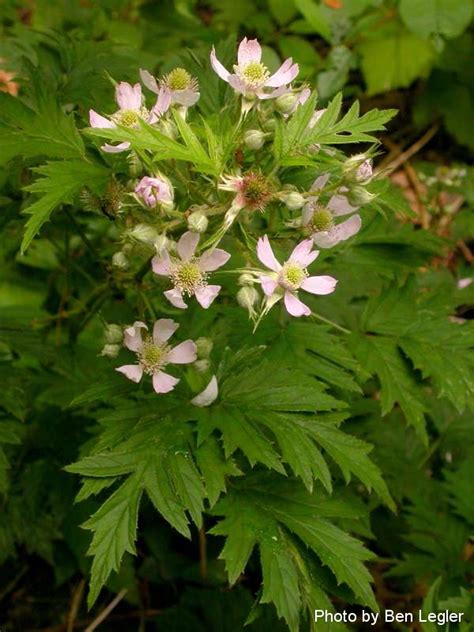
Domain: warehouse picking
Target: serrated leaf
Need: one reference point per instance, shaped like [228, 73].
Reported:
[59, 183]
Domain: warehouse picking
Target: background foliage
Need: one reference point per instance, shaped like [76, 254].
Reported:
[366, 502]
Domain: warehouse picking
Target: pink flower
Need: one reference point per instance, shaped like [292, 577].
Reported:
[252, 190]
[251, 77]
[285, 280]
[183, 88]
[321, 218]
[131, 110]
[188, 272]
[154, 353]
[154, 191]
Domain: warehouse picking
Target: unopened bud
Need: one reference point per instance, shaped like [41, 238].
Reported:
[358, 196]
[167, 206]
[144, 233]
[119, 260]
[294, 200]
[202, 366]
[269, 125]
[110, 351]
[254, 138]
[198, 222]
[358, 168]
[113, 334]
[203, 347]
[246, 279]
[247, 297]
[286, 102]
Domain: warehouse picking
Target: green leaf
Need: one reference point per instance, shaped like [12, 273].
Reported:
[394, 61]
[46, 131]
[270, 512]
[59, 183]
[315, 17]
[214, 468]
[380, 355]
[448, 18]
[114, 526]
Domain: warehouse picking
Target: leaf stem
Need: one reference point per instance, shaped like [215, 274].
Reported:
[330, 322]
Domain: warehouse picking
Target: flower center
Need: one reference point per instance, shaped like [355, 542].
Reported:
[322, 220]
[254, 74]
[292, 276]
[188, 276]
[179, 79]
[256, 191]
[151, 356]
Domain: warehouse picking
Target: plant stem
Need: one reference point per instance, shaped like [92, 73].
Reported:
[330, 322]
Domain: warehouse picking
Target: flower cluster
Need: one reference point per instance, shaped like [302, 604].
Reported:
[178, 219]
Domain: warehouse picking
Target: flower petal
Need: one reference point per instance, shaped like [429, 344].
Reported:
[218, 67]
[205, 295]
[161, 106]
[96, 120]
[208, 395]
[187, 245]
[186, 97]
[284, 75]
[249, 50]
[163, 329]
[134, 372]
[265, 254]
[304, 254]
[320, 181]
[294, 306]
[268, 284]
[213, 259]
[175, 298]
[163, 383]
[237, 84]
[132, 336]
[128, 97]
[319, 284]
[338, 233]
[115, 149]
[272, 95]
[161, 264]
[339, 205]
[149, 81]
[184, 353]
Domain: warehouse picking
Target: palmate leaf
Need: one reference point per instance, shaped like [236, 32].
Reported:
[59, 183]
[46, 131]
[277, 515]
[157, 459]
[295, 134]
[408, 321]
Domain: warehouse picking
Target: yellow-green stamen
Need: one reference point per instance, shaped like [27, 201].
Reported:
[292, 276]
[188, 277]
[322, 220]
[151, 356]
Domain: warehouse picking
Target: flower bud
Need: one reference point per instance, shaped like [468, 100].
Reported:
[293, 200]
[246, 279]
[286, 102]
[254, 138]
[358, 196]
[247, 297]
[120, 260]
[203, 347]
[269, 125]
[198, 222]
[358, 168]
[144, 233]
[110, 351]
[113, 334]
[202, 366]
